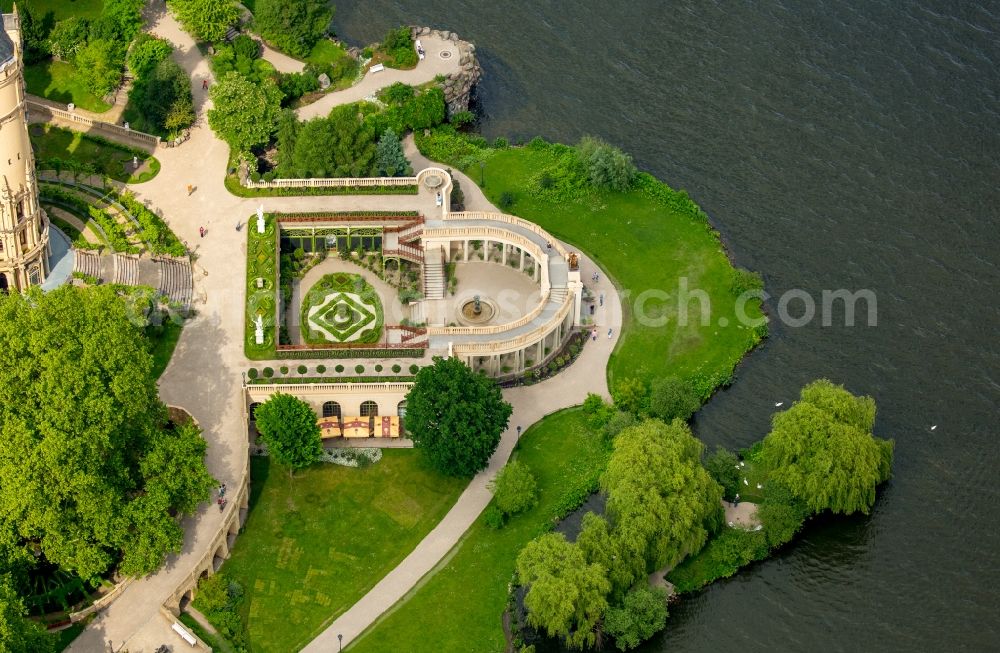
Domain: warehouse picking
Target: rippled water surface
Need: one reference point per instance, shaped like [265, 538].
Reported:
[835, 145]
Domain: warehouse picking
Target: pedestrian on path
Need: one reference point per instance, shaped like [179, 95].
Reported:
[609, 334]
[594, 334]
[602, 299]
[201, 231]
[204, 84]
[190, 189]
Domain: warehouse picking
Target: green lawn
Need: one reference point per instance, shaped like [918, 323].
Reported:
[645, 245]
[162, 346]
[59, 9]
[325, 52]
[108, 159]
[313, 545]
[58, 80]
[459, 607]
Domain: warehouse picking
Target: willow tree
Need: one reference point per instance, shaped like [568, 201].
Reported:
[824, 451]
[661, 501]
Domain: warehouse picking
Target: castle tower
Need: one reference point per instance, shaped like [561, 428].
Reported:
[24, 227]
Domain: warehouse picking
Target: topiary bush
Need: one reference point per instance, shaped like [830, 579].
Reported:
[414, 368]
[284, 369]
[321, 369]
[302, 369]
[253, 373]
[396, 368]
[359, 369]
[378, 368]
[339, 369]
[268, 372]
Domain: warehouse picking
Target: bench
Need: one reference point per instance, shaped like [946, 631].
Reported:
[377, 68]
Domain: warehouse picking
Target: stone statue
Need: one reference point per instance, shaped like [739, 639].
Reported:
[260, 219]
[259, 329]
[477, 307]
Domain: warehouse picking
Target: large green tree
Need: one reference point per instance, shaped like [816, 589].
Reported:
[288, 427]
[163, 96]
[567, 596]
[18, 634]
[244, 114]
[671, 398]
[455, 416]
[824, 451]
[662, 502]
[391, 160]
[90, 473]
[293, 26]
[207, 20]
[100, 64]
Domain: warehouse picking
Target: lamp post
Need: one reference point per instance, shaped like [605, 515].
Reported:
[340, 641]
[482, 174]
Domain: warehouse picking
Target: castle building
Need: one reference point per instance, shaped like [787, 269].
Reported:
[24, 226]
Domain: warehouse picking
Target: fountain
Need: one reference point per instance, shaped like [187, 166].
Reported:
[476, 311]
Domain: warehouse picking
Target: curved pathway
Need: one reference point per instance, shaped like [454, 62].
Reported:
[204, 373]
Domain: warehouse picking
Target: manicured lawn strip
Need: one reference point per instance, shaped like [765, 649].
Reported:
[162, 345]
[644, 245]
[325, 52]
[315, 544]
[59, 81]
[459, 607]
[66, 148]
[60, 9]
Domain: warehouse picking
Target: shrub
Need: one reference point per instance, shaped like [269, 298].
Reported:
[630, 395]
[398, 48]
[146, 52]
[462, 118]
[743, 280]
[339, 369]
[359, 369]
[252, 373]
[501, 143]
[284, 369]
[414, 368]
[494, 517]
[268, 372]
[321, 369]
[378, 368]
[722, 465]
[671, 398]
[607, 166]
[396, 368]
[619, 421]
[302, 369]
[506, 200]
[514, 488]
[293, 26]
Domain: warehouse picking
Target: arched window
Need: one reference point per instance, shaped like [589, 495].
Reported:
[369, 409]
[253, 411]
[401, 408]
[331, 409]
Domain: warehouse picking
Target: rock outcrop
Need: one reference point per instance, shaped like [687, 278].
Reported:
[458, 85]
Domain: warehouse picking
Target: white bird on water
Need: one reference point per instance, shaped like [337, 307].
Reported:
[933, 427]
[780, 403]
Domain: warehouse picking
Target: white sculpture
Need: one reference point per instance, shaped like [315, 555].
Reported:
[259, 329]
[260, 219]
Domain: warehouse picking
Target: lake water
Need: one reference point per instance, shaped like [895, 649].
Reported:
[835, 145]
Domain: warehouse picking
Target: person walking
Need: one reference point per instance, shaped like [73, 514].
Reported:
[609, 334]
[204, 84]
[201, 231]
[190, 189]
[602, 299]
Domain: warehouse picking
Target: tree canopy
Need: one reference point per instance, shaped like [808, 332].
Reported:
[90, 474]
[641, 615]
[606, 165]
[288, 427]
[292, 26]
[567, 596]
[662, 502]
[455, 416]
[244, 114]
[823, 449]
[671, 398]
[207, 20]
[18, 634]
[391, 160]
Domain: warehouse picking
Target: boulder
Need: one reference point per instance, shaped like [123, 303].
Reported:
[324, 82]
